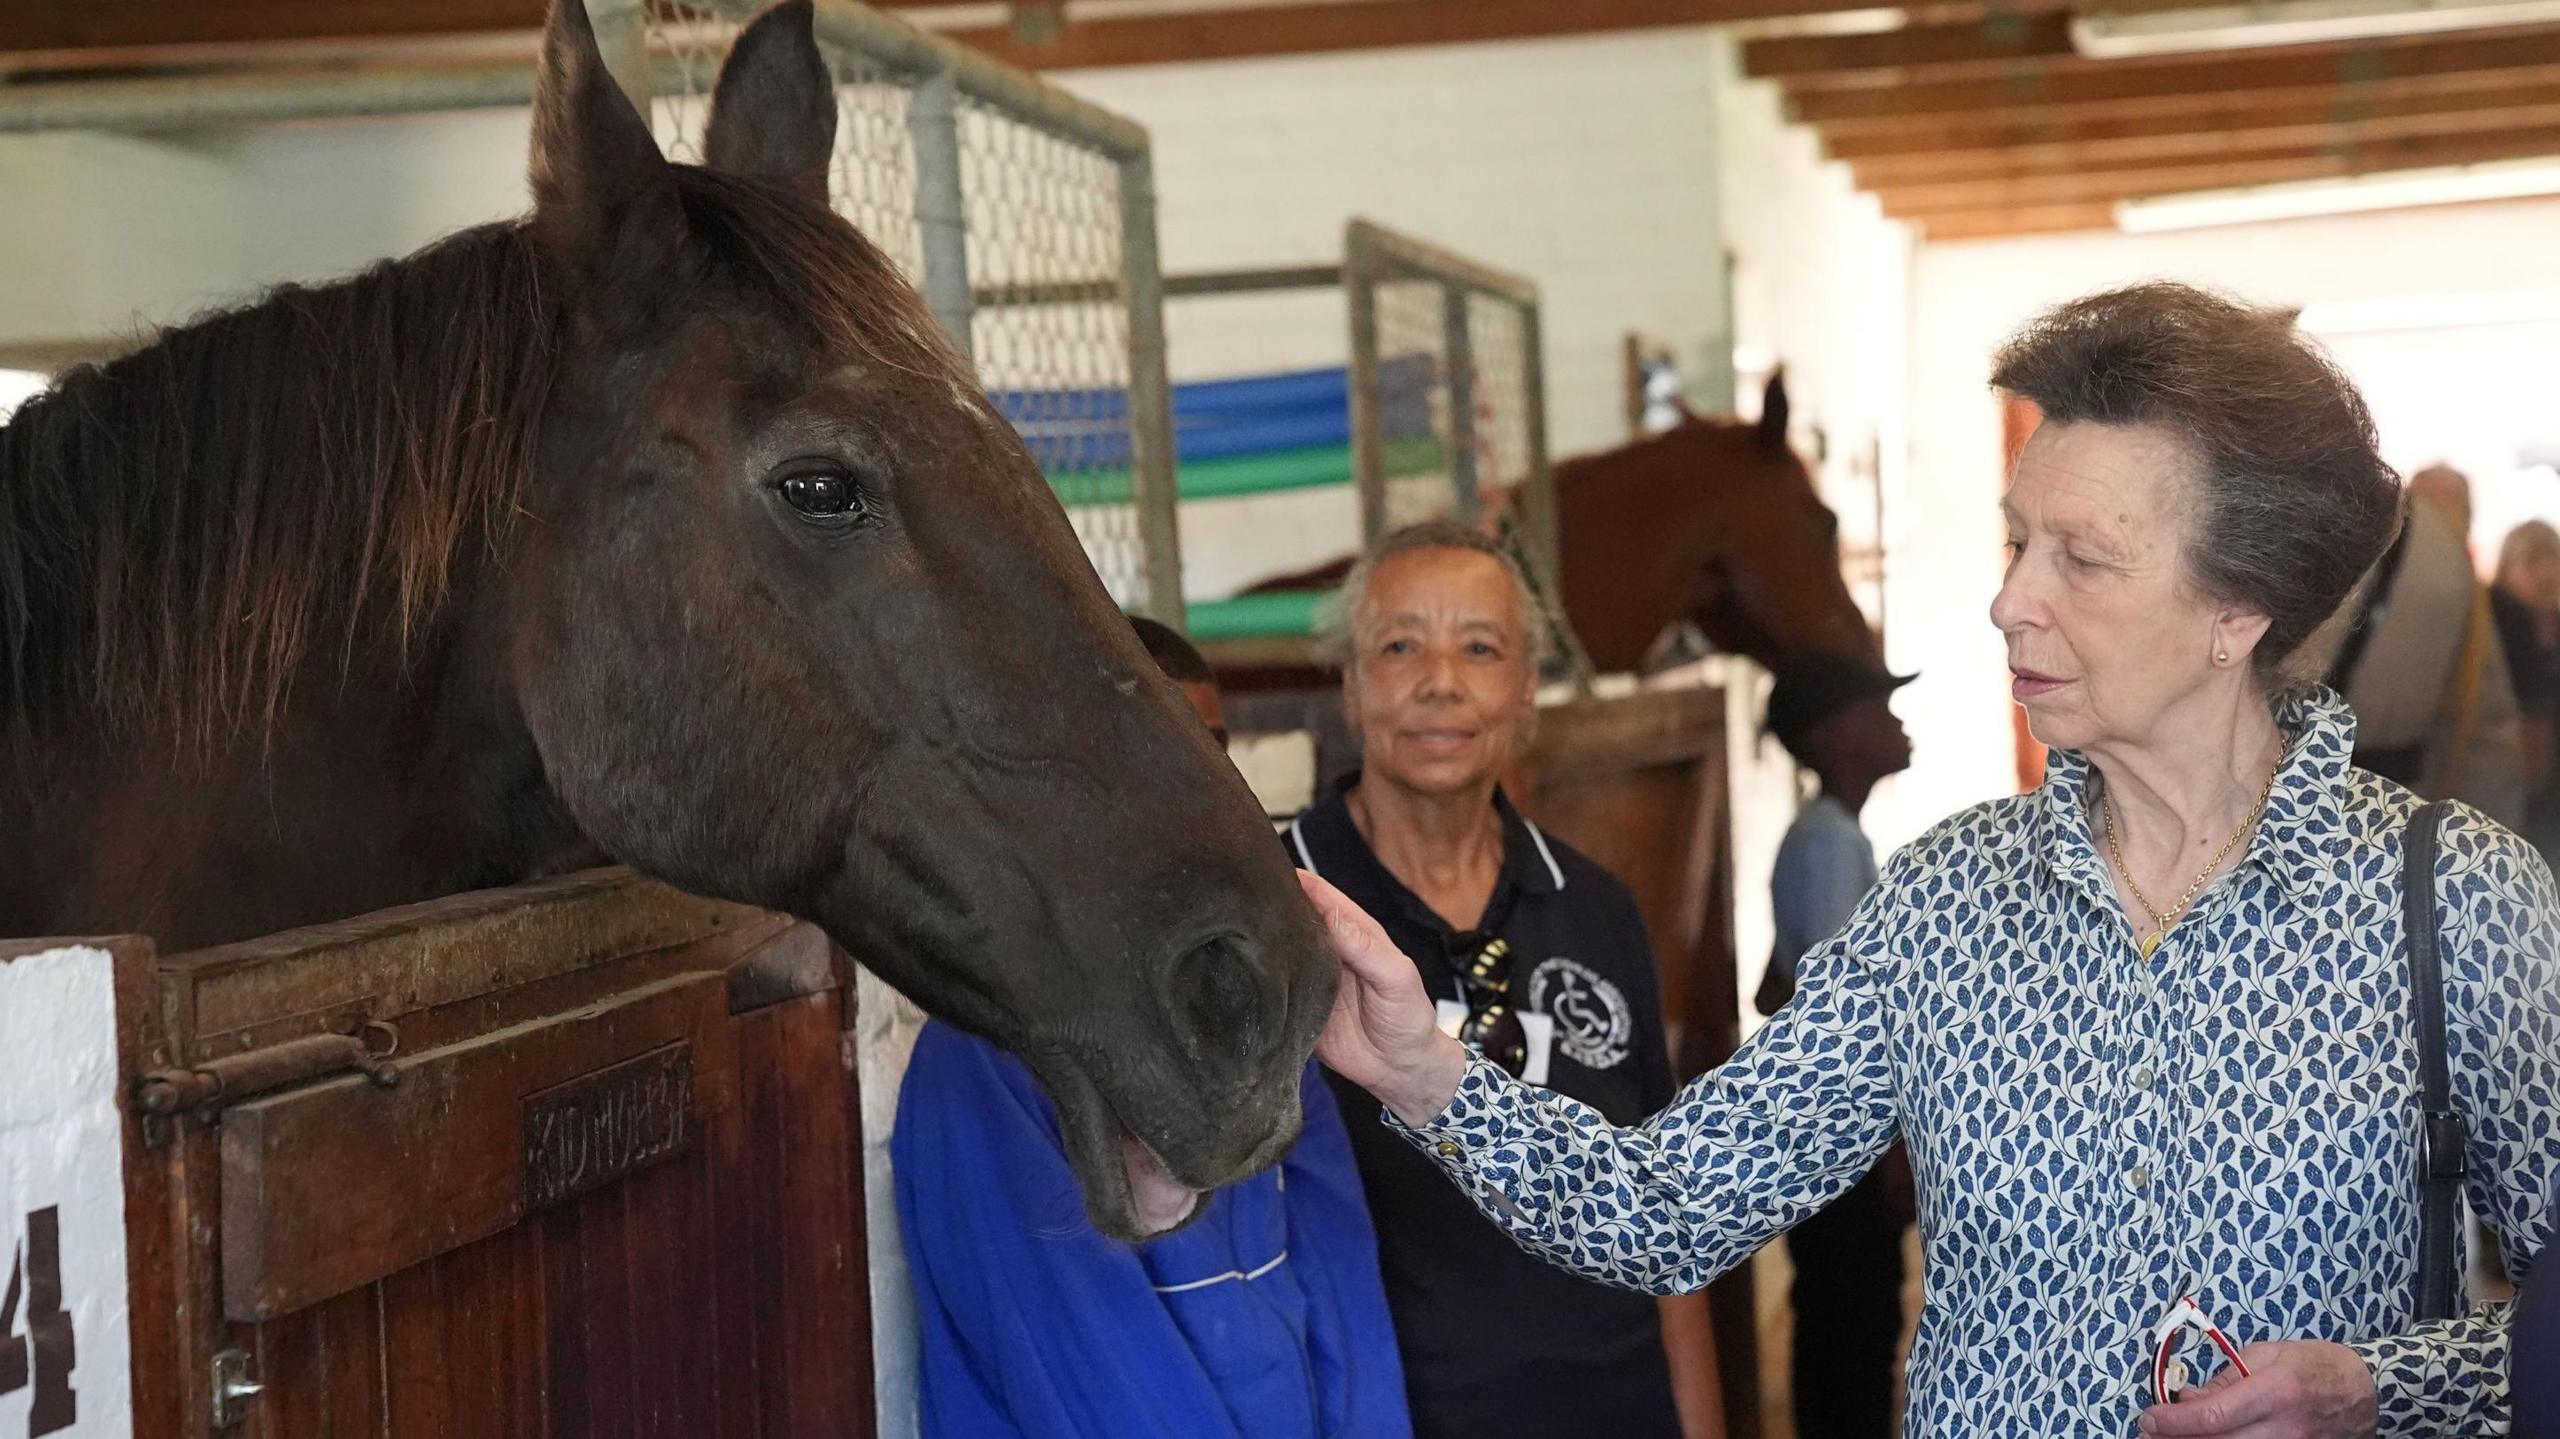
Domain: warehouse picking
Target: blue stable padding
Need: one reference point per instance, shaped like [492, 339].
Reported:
[1088, 429]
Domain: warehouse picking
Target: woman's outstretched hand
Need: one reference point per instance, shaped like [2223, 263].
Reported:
[1383, 1035]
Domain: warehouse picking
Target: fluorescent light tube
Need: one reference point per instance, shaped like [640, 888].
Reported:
[2387, 190]
[2109, 36]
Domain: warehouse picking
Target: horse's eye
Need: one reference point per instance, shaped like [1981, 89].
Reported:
[821, 494]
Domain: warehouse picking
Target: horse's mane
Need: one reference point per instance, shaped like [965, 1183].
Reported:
[1666, 455]
[184, 529]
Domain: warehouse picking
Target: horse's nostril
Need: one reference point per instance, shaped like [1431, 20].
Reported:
[1219, 991]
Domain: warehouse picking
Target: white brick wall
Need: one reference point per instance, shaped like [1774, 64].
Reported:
[1585, 164]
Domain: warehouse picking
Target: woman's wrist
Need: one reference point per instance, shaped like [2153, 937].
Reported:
[1419, 1092]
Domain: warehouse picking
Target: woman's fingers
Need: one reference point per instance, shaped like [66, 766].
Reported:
[1381, 1034]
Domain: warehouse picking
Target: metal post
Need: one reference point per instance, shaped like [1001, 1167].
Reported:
[1458, 355]
[622, 38]
[1714, 390]
[1368, 418]
[1153, 471]
[1545, 536]
[942, 217]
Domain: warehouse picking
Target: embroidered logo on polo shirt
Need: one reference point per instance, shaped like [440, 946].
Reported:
[1593, 1019]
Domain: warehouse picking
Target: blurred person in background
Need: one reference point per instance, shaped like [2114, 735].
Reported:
[1847, 1294]
[2525, 600]
[2417, 657]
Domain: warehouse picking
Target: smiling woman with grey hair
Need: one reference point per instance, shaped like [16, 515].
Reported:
[2150, 1031]
[1529, 951]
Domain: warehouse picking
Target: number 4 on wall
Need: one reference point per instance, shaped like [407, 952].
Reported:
[47, 1349]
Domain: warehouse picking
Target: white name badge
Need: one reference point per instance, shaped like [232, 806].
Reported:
[1539, 1029]
[65, 1353]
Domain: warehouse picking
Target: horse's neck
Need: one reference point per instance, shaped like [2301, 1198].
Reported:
[1628, 560]
[371, 790]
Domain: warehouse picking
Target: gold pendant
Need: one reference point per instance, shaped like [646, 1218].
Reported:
[2151, 945]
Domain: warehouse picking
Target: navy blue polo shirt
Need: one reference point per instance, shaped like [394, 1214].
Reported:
[1496, 1341]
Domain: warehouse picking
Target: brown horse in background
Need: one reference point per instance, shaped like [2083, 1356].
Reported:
[1713, 522]
[663, 529]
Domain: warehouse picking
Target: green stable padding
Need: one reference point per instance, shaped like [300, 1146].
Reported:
[1283, 614]
[1253, 474]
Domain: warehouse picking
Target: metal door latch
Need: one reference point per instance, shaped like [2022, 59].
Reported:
[232, 1388]
[168, 1094]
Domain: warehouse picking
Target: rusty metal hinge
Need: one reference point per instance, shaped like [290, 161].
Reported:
[166, 1095]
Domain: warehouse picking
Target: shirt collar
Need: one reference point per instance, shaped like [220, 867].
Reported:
[2299, 842]
[1529, 863]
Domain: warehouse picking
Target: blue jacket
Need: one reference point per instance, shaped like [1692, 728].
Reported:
[1262, 1319]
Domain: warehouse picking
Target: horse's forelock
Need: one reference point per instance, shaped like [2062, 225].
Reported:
[817, 273]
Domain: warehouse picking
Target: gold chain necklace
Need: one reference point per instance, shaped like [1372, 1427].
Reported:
[2163, 919]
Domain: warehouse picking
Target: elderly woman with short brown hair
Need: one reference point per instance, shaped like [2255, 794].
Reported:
[2148, 1030]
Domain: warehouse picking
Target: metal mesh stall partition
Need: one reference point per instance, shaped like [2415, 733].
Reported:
[1027, 217]
[1448, 390]
[1448, 401]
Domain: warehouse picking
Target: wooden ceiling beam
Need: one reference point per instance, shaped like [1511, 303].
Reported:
[2310, 136]
[2410, 111]
[74, 30]
[2001, 224]
[87, 33]
[2227, 172]
[2132, 87]
[2001, 46]
[2002, 38]
[1310, 29]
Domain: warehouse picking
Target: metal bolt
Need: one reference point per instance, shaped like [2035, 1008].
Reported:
[232, 1388]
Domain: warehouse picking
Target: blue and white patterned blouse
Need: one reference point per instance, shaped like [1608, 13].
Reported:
[2092, 1132]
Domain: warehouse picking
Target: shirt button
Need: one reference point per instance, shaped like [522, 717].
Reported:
[2141, 1175]
[2142, 1076]
[1448, 1149]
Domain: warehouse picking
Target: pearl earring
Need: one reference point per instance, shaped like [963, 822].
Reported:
[2222, 657]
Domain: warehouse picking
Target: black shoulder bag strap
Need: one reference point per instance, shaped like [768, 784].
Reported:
[2445, 1140]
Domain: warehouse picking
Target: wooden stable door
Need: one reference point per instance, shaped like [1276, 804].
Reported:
[1641, 784]
[578, 1159]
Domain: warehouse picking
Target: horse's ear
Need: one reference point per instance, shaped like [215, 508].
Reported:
[1773, 411]
[604, 199]
[773, 114]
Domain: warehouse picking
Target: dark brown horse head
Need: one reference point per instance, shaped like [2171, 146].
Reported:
[801, 623]
[664, 526]
[1714, 522]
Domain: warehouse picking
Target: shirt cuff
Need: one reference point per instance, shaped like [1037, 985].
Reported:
[2431, 1383]
[1479, 1137]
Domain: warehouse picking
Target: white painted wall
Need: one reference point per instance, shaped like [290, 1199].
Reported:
[106, 233]
[1821, 285]
[1585, 164]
